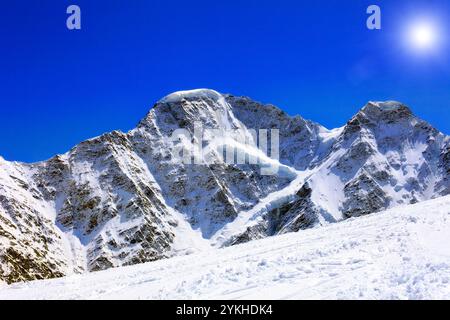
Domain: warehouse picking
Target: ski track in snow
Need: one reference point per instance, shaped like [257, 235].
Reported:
[402, 253]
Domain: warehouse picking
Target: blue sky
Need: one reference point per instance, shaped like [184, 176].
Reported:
[313, 58]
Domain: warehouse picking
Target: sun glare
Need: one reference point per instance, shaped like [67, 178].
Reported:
[423, 36]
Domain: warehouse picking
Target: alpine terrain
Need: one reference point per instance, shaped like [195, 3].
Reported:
[123, 198]
[401, 253]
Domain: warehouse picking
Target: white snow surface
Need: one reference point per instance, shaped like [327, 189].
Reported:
[196, 93]
[402, 253]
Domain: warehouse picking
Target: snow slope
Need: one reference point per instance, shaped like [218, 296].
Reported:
[401, 253]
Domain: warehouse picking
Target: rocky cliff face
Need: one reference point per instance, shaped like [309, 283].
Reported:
[125, 198]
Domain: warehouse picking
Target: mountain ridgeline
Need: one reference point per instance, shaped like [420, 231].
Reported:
[121, 199]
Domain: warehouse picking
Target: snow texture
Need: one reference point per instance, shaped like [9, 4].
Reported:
[401, 253]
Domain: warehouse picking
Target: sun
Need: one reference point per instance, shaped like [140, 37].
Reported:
[423, 36]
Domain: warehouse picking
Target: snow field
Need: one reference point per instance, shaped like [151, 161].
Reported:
[402, 253]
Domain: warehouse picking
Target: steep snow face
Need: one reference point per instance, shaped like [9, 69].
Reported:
[402, 253]
[402, 152]
[211, 194]
[302, 142]
[124, 198]
[383, 157]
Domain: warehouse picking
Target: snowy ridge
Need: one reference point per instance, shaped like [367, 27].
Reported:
[192, 94]
[120, 199]
[401, 253]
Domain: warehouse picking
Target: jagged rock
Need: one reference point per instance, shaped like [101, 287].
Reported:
[364, 196]
[293, 216]
[122, 198]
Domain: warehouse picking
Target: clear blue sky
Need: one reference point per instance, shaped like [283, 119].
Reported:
[313, 58]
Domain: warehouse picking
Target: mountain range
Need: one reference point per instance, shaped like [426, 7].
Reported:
[121, 198]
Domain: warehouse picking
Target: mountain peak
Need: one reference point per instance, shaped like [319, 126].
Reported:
[183, 109]
[192, 95]
[386, 110]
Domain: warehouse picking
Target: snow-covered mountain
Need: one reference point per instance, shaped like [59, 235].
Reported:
[401, 253]
[122, 199]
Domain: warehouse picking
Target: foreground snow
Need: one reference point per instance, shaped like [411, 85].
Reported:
[402, 253]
